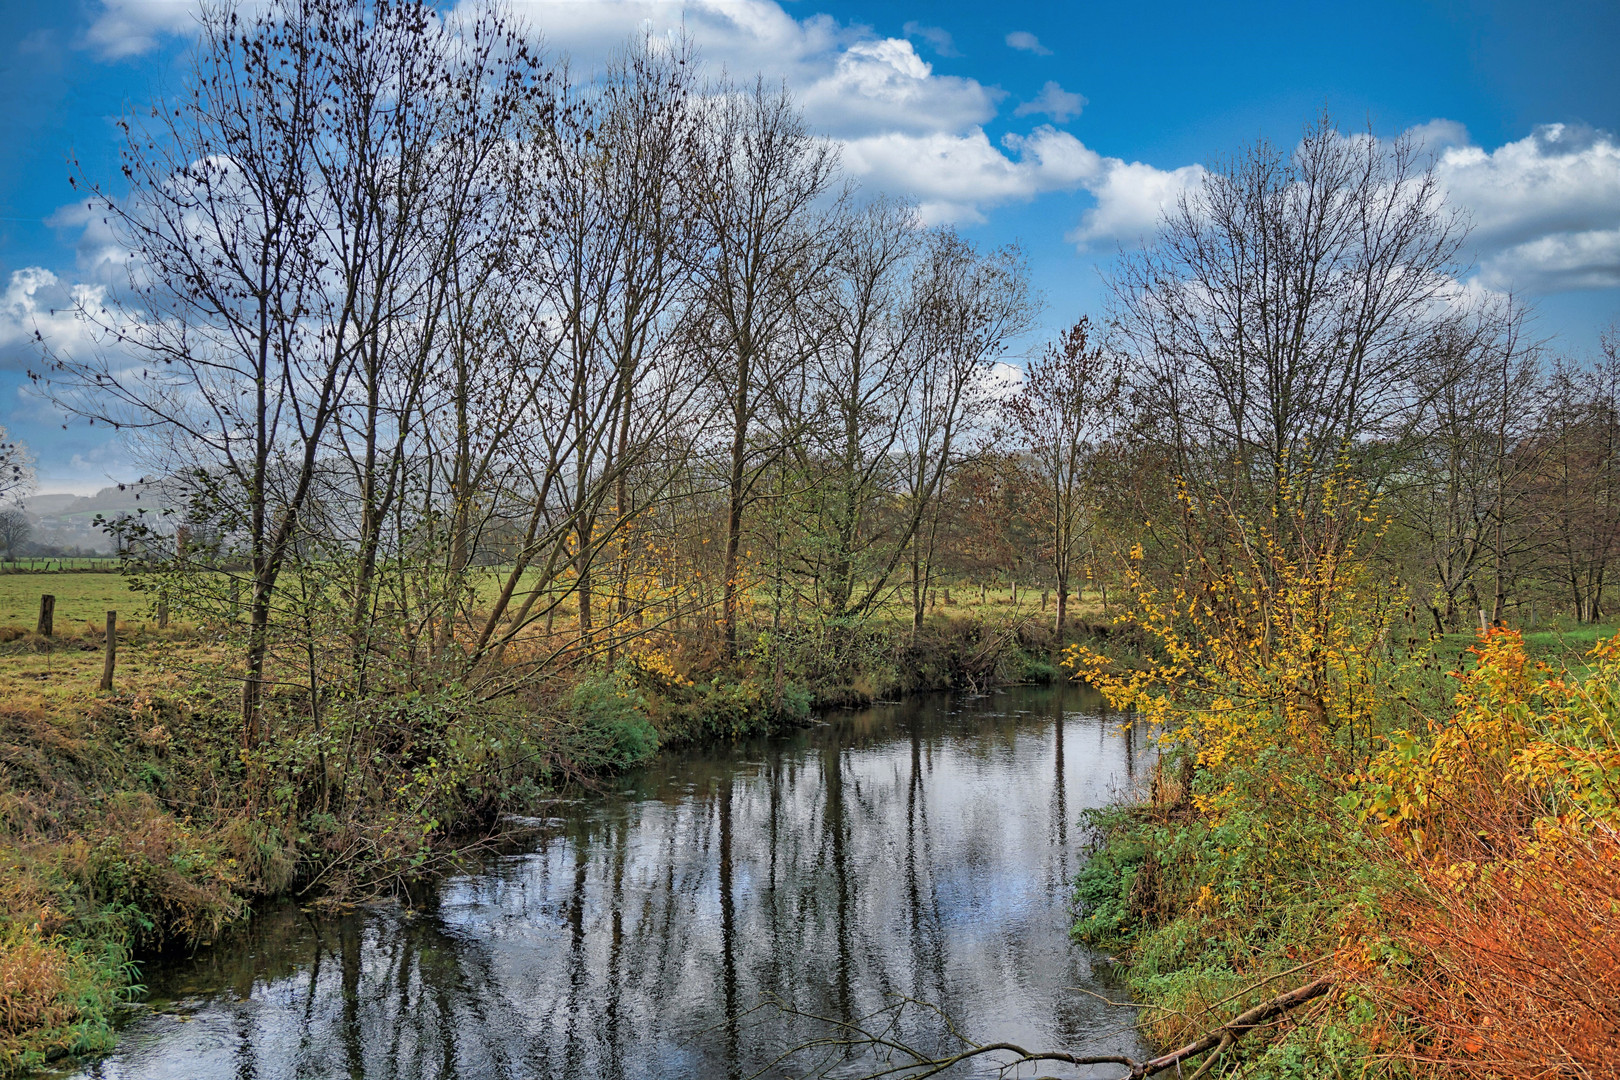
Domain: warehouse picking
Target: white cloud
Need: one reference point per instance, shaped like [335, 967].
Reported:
[1025, 41]
[1439, 135]
[939, 39]
[1131, 198]
[1556, 263]
[1557, 179]
[131, 27]
[954, 177]
[36, 302]
[1002, 380]
[1545, 208]
[98, 253]
[1053, 101]
[848, 80]
[884, 85]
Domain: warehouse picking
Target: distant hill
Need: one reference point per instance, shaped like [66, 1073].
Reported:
[63, 520]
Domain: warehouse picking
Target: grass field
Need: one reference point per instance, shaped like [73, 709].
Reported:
[1561, 643]
[80, 598]
[83, 600]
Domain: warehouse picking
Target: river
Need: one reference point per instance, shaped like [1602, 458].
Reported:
[924, 849]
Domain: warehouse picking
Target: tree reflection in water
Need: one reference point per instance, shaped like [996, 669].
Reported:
[923, 849]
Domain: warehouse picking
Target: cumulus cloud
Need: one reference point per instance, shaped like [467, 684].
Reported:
[1545, 208]
[1002, 380]
[1053, 101]
[1025, 41]
[1131, 198]
[98, 253]
[885, 85]
[903, 126]
[953, 177]
[1439, 135]
[37, 302]
[130, 27]
[1556, 263]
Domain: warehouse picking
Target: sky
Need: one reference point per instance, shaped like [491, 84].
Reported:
[1062, 127]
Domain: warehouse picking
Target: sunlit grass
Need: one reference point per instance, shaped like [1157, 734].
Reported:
[80, 598]
[1560, 642]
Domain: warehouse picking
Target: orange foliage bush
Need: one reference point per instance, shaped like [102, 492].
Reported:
[1515, 967]
[1505, 821]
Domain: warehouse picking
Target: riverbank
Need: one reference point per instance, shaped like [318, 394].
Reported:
[1452, 865]
[132, 822]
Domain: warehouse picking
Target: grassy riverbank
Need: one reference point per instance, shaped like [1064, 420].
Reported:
[133, 821]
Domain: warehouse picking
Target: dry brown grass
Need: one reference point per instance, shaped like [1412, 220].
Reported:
[33, 990]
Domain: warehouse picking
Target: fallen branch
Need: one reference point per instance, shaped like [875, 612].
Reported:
[905, 1062]
[1234, 1029]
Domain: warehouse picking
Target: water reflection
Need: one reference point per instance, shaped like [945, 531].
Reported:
[923, 849]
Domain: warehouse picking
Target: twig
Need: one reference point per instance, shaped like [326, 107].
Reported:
[852, 1035]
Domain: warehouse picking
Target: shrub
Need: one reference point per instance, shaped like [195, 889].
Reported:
[613, 731]
[1504, 933]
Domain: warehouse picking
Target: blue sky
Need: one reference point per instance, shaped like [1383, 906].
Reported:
[1064, 127]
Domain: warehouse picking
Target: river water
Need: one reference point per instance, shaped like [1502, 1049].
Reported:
[923, 850]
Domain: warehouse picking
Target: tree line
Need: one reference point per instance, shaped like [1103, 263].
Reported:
[454, 359]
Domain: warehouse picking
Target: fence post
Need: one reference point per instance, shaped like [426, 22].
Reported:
[47, 615]
[112, 651]
[163, 612]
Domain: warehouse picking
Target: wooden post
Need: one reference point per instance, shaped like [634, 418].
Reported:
[1482, 623]
[163, 612]
[47, 615]
[111, 660]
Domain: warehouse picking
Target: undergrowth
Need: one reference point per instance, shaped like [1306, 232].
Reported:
[1329, 802]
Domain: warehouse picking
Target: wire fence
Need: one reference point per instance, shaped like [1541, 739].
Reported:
[55, 565]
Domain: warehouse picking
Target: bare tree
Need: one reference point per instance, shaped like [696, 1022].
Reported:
[766, 174]
[969, 304]
[1576, 499]
[1280, 315]
[241, 332]
[1460, 490]
[15, 528]
[1061, 414]
[16, 469]
[420, 164]
[594, 324]
[275, 220]
[849, 400]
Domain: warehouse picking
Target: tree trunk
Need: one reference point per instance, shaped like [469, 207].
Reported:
[734, 514]
[252, 684]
